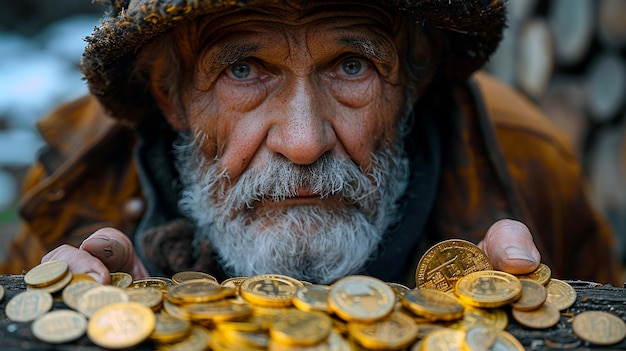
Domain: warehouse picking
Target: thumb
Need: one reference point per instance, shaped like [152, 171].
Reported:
[510, 247]
[116, 251]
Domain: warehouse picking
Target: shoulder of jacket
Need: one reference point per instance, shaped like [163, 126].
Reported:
[511, 111]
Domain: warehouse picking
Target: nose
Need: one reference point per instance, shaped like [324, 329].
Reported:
[300, 131]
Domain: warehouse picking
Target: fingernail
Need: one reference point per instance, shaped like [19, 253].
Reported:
[516, 253]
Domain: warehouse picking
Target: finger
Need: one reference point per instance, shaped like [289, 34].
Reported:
[116, 251]
[510, 247]
[80, 261]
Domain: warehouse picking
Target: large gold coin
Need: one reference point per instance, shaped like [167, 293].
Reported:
[311, 298]
[94, 299]
[361, 299]
[121, 279]
[533, 296]
[46, 273]
[300, 328]
[59, 326]
[541, 275]
[181, 277]
[432, 304]
[168, 329]
[560, 294]
[394, 333]
[544, 317]
[28, 305]
[488, 289]
[121, 325]
[269, 290]
[598, 327]
[444, 340]
[73, 291]
[199, 290]
[443, 264]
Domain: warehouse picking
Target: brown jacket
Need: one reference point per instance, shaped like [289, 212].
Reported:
[500, 158]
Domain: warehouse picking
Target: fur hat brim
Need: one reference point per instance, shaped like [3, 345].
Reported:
[473, 30]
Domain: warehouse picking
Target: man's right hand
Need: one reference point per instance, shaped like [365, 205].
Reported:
[107, 250]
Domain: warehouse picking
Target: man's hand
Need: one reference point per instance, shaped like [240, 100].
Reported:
[510, 247]
[107, 250]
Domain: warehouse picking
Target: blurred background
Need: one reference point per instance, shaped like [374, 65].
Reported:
[568, 56]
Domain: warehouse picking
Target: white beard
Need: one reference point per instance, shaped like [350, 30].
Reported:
[314, 243]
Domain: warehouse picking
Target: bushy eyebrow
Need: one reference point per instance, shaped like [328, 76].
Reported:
[229, 53]
[372, 49]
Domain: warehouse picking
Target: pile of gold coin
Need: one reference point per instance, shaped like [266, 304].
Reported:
[460, 303]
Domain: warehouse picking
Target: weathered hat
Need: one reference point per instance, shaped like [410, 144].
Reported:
[473, 29]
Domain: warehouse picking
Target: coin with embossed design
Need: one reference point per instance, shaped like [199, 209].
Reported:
[444, 339]
[433, 304]
[149, 297]
[59, 326]
[540, 275]
[46, 273]
[599, 327]
[28, 305]
[544, 317]
[121, 325]
[73, 291]
[444, 263]
[269, 290]
[361, 299]
[56, 286]
[311, 298]
[560, 294]
[300, 328]
[488, 289]
[94, 299]
[121, 279]
[393, 333]
[192, 275]
[533, 296]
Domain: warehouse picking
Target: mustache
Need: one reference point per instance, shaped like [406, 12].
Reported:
[279, 179]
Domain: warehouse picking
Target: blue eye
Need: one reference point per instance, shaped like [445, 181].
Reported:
[240, 70]
[352, 67]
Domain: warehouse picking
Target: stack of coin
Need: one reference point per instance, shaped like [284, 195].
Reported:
[459, 302]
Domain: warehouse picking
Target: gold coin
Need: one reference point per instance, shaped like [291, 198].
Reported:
[488, 289]
[121, 325]
[149, 297]
[444, 339]
[192, 275]
[168, 329]
[599, 328]
[399, 290]
[199, 290]
[217, 311]
[443, 264]
[220, 341]
[506, 341]
[150, 282]
[46, 273]
[73, 291]
[252, 339]
[94, 299]
[433, 304]
[300, 328]
[121, 279]
[394, 333]
[540, 275]
[544, 317]
[28, 305]
[479, 338]
[77, 277]
[311, 298]
[269, 290]
[533, 296]
[56, 286]
[560, 294]
[197, 340]
[494, 318]
[360, 298]
[234, 282]
[175, 310]
[59, 326]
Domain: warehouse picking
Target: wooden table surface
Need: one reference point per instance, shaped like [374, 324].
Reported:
[590, 296]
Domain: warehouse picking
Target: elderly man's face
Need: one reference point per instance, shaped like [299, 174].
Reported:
[293, 150]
